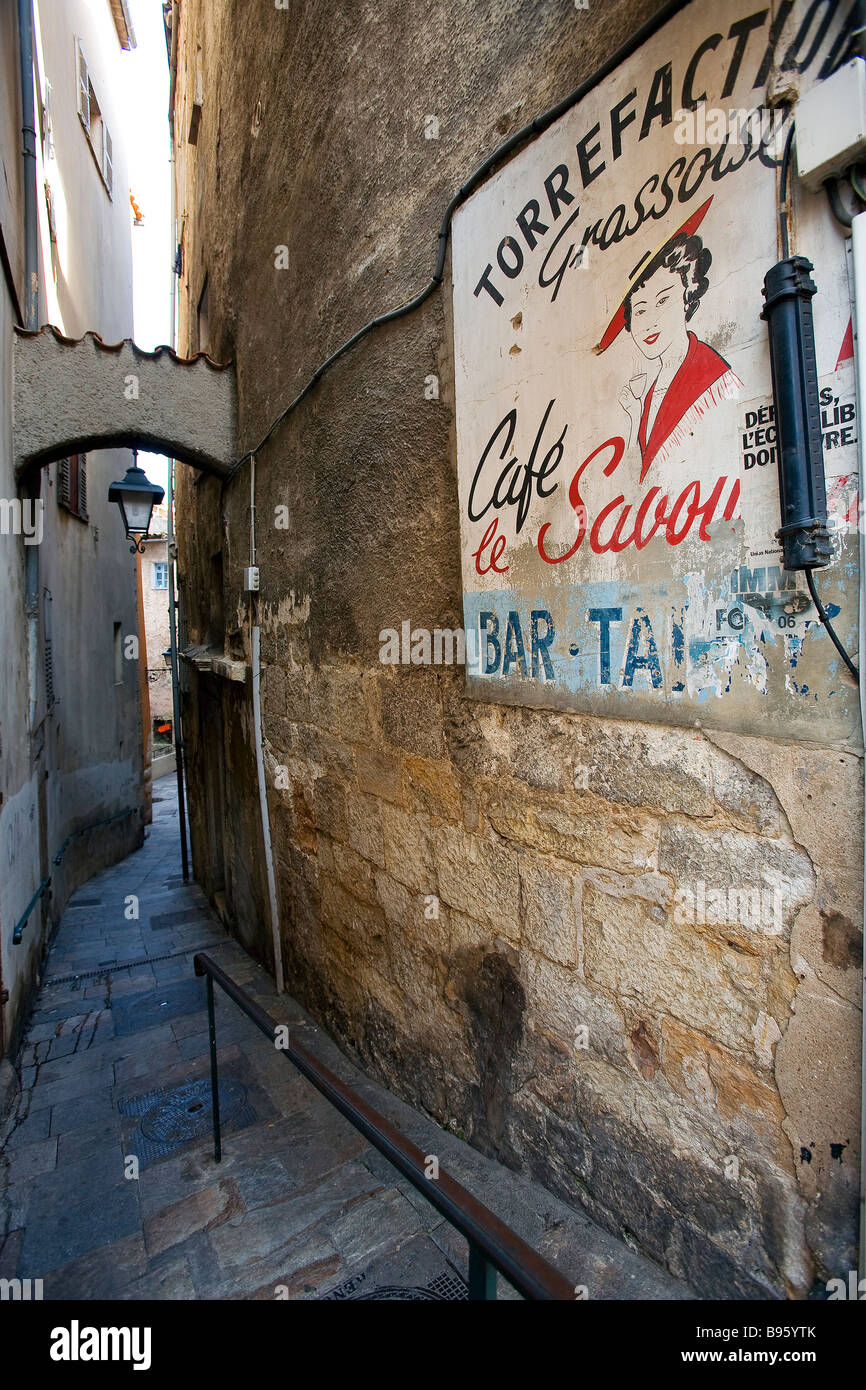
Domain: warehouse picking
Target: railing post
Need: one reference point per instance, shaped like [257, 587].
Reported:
[482, 1276]
[214, 1078]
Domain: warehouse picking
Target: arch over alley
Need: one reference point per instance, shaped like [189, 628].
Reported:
[72, 395]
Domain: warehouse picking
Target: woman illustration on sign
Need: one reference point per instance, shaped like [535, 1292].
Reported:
[684, 376]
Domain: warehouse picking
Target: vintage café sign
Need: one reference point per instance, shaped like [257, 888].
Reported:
[616, 444]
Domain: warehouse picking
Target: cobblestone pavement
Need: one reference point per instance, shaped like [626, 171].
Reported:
[115, 1067]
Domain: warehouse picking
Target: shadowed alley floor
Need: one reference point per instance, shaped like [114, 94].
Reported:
[115, 1065]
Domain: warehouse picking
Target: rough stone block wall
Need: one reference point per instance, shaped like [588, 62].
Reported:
[487, 905]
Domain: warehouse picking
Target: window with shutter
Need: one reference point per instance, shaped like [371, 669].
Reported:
[82, 486]
[99, 139]
[107, 159]
[72, 485]
[83, 87]
[63, 483]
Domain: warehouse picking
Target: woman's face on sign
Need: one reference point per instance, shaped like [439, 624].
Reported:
[658, 313]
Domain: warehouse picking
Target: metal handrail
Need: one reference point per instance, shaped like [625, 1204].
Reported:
[492, 1245]
[18, 933]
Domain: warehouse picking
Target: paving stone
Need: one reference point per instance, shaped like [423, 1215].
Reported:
[30, 1160]
[75, 1230]
[264, 1230]
[265, 1182]
[103, 1273]
[72, 1087]
[10, 1249]
[369, 1227]
[202, 1211]
[297, 1267]
[172, 1281]
[73, 1114]
[25, 1130]
[88, 1141]
[146, 1063]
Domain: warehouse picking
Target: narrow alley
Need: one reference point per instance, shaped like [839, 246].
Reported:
[115, 1066]
[432, 759]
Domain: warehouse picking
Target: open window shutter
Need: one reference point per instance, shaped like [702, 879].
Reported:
[82, 486]
[83, 87]
[63, 472]
[107, 159]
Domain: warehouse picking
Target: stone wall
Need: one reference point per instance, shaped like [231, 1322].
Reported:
[488, 906]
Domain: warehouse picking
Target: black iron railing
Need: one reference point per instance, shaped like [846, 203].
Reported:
[18, 932]
[492, 1245]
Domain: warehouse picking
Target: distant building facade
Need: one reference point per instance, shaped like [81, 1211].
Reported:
[154, 588]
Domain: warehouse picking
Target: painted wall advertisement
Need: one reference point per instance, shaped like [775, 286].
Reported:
[618, 483]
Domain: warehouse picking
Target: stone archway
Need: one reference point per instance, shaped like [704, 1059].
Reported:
[72, 395]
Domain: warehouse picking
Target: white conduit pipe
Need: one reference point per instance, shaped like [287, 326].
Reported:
[260, 759]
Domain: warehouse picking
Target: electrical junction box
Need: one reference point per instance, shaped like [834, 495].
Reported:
[251, 580]
[831, 125]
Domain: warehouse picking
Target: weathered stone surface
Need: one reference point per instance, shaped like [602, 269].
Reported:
[408, 850]
[724, 859]
[569, 1016]
[747, 799]
[412, 712]
[380, 772]
[712, 1077]
[330, 804]
[338, 862]
[479, 877]
[583, 829]
[548, 900]
[646, 766]
[364, 827]
[433, 790]
[273, 691]
[639, 955]
[360, 925]
[321, 751]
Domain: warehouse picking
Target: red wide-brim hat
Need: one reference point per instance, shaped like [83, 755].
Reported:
[617, 323]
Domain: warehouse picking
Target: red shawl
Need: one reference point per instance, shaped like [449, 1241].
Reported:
[700, 367]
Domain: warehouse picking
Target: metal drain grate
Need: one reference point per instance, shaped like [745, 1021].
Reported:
[445, 1288]
[128, 965]
[171, 1118]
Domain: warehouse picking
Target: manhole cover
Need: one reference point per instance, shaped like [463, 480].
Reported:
[172, 1118]
[186, 1112]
